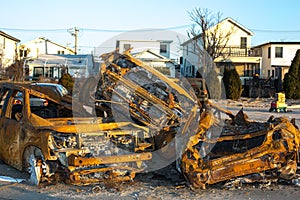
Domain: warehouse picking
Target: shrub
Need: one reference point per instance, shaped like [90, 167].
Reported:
[291, 81]
[232, 83]
[67, 81]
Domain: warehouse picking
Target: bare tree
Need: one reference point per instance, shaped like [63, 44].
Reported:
[209, 39]
[207, 27]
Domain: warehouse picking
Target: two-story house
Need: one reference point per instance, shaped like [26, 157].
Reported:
[8, 49]
[236, 51]
[276, 57]
[42, 45]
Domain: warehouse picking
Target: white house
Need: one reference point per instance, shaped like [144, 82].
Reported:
[237, 51]
[157, 61]
[161, 47]
[276, 57]
[8, 49]
[53, 66]
[41, 45]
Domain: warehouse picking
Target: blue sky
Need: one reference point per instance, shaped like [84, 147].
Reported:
[269, 20]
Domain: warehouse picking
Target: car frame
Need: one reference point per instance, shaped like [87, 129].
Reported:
[48, 146]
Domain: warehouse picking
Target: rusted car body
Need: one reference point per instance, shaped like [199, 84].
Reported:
[129, 90]
[247, 149]
[51, 144]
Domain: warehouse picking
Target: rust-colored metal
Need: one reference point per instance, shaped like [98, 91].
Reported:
[244, 147]
[63, 144]
[64, 139]
[77, 161]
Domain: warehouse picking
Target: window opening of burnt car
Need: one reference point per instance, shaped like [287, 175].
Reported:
[3, 99]
[43, 107]
[17, 105]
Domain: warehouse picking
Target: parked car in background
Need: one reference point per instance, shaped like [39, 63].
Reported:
[57, 88]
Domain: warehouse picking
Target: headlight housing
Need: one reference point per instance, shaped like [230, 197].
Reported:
[64, 140]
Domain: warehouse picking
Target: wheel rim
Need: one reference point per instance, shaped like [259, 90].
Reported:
[32, 164]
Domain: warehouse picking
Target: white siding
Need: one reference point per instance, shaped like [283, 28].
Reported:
[289, 51]
[139, 46]
[7, 51]
[43, 46]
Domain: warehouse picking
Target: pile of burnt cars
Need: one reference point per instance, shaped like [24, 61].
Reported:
[131, 118]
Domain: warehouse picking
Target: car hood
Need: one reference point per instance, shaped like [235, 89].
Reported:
[81, 125]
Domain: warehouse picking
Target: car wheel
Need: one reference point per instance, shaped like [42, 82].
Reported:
[33, 161]
[278, 110]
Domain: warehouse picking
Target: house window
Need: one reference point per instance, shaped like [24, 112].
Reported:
[38, 71]
[60, 52]
[48, 72]
[163, 48]
[23, 53]
[269, 52]
[278, 52]
[3, 46]
[243, 42]
[126, 46]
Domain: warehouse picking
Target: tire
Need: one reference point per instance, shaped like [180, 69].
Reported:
[32, 164]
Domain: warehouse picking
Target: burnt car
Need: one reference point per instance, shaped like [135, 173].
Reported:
[242, 151]
[129, 90]
[53, 144]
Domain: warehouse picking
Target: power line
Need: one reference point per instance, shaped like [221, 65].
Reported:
[94, 30]
[275, 31]
[33, 30]
[137, 30]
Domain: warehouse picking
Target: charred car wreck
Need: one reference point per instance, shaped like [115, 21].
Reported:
[252, 151]
[51, 144]
[129, 90]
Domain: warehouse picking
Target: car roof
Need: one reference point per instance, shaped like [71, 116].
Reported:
[50, 84]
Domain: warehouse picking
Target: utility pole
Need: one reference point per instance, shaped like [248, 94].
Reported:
[74, 32]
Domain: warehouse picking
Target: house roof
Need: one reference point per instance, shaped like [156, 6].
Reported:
[275, 43]
[69, 49]
[157, 57]
[238, 25]
[163, 41]
[62, 59]
[226, 19]
[9, 36]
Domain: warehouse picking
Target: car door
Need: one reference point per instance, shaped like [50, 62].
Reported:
[3, 103]
[10, 130]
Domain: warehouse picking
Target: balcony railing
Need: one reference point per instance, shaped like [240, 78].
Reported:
[236, 52]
